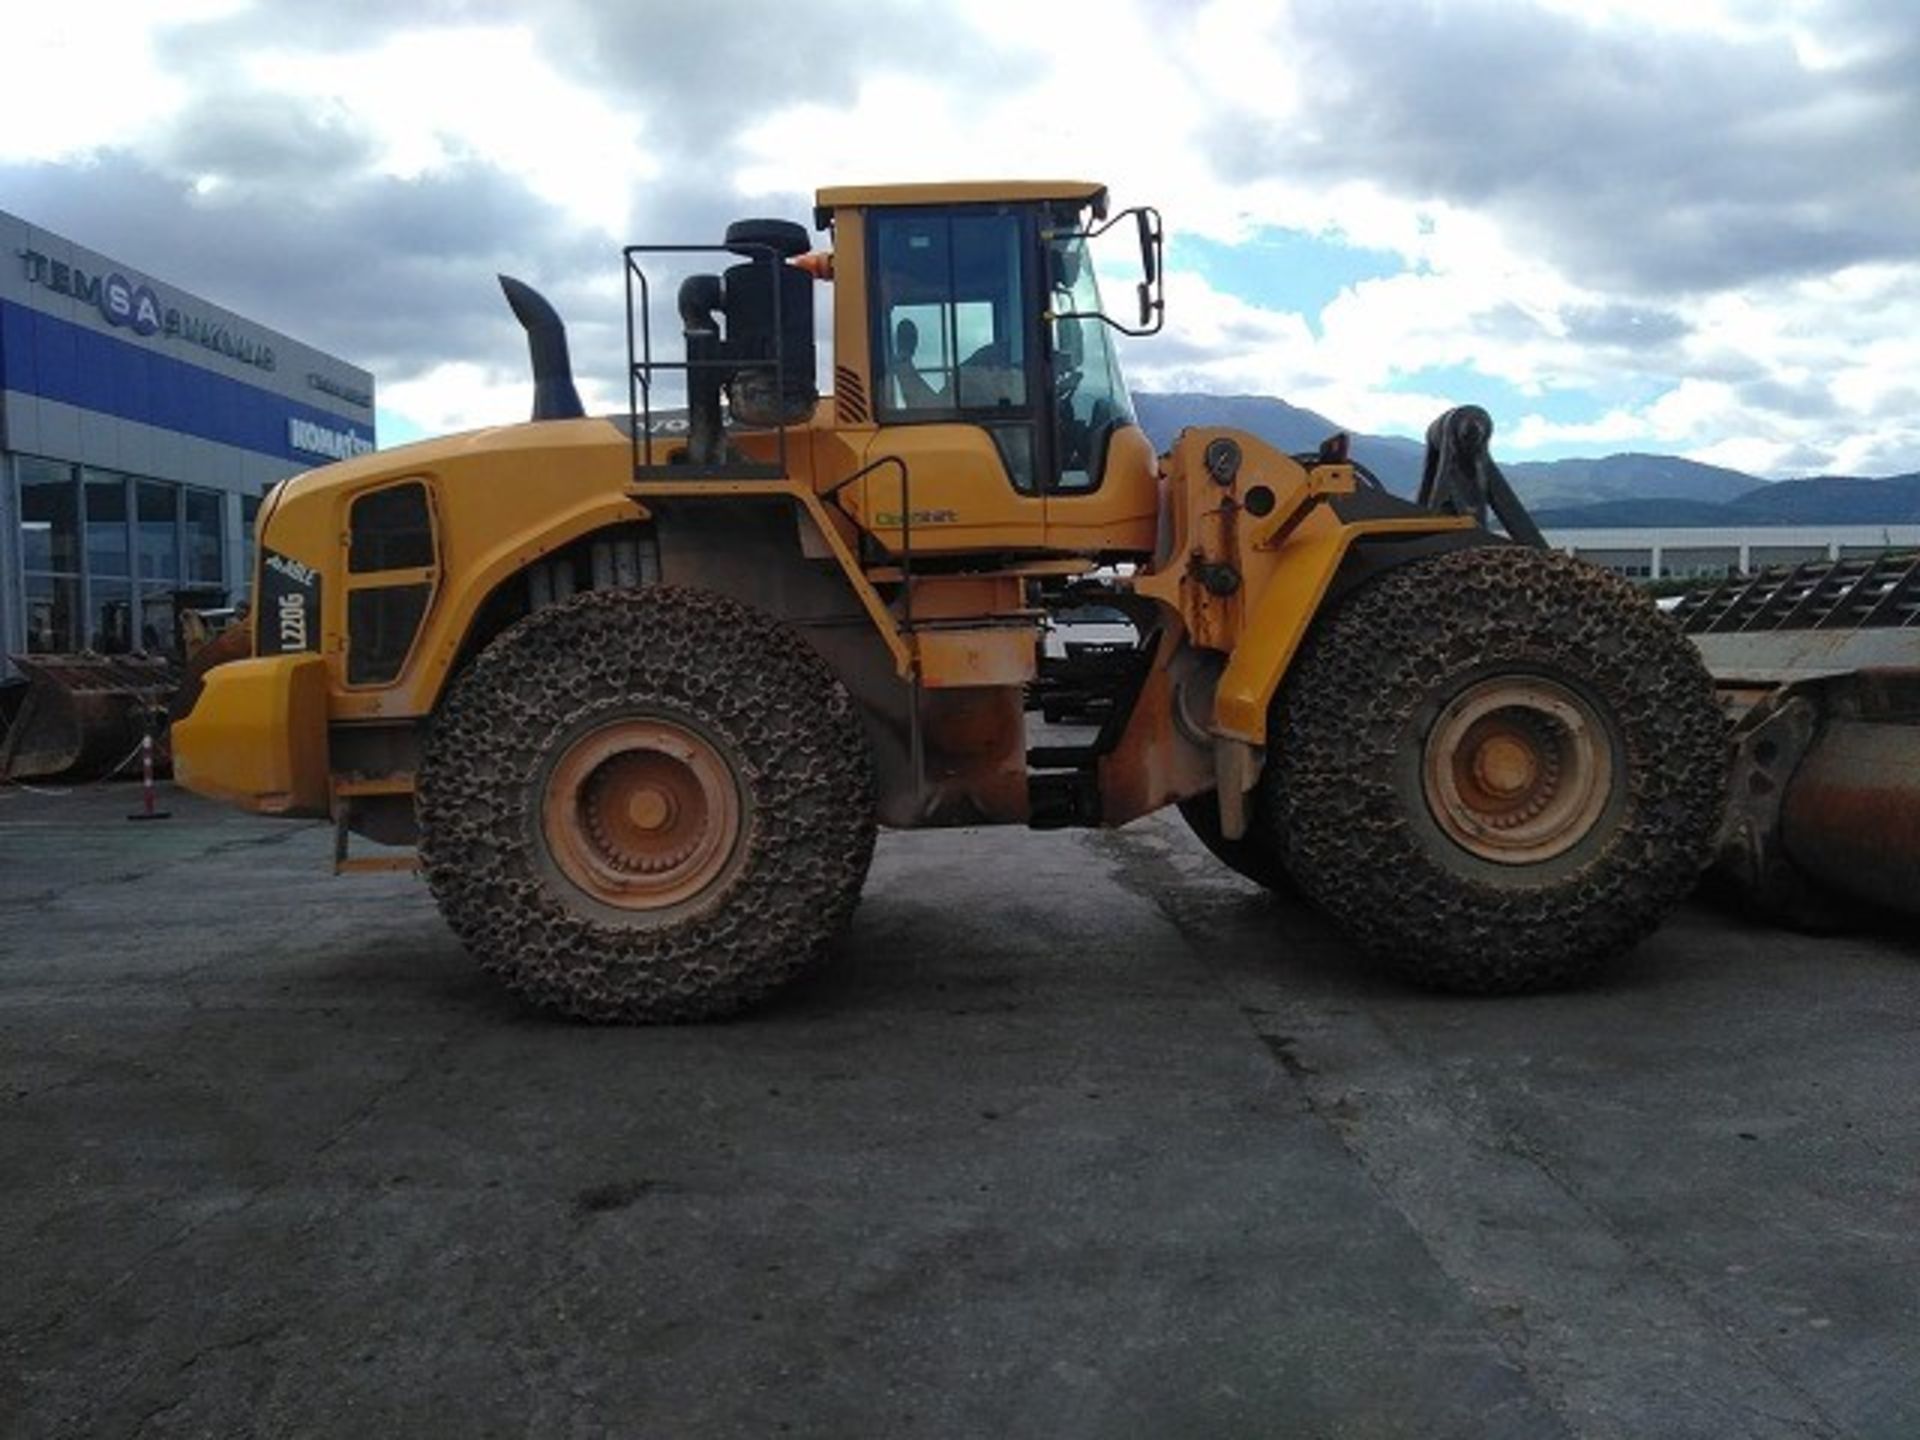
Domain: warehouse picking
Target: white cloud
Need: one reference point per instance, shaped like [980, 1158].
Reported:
[491, 96]
[1828, 366]
[79, 77]
[457, 395]
[1716, 17]
[1616, 427]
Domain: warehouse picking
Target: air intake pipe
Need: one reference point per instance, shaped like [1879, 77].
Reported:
[701, 298]
[554, 397]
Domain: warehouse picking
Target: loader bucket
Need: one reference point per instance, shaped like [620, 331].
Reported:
[1819, 669]
[82, 714]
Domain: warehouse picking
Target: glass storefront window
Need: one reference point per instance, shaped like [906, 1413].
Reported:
[109, 551]
[104, 554]
[156, 619]
[110, 616]
[249, 521]
[203, 527]
[159, 533]
[49, 516]
[53, 610]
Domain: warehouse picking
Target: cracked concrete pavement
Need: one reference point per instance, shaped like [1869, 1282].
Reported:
[1080, 1135]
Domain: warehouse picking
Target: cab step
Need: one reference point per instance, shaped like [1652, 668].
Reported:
[348, 788]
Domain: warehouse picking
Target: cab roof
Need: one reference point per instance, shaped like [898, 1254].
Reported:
[956, 192]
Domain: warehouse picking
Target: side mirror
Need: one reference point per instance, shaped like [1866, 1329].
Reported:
[1153, 306]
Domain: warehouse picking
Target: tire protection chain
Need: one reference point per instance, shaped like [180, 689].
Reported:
[1352, 704]
[690, 654]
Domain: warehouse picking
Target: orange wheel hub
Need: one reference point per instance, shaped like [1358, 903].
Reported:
[1517, 770]
[642, 814]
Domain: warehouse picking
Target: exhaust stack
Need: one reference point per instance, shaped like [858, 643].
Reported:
[554, 397]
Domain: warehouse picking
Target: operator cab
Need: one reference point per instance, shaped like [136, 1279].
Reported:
[991, 316]
[976, 306]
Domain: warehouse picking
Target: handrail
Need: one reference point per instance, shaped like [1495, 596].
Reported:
[916, 744]
[832, 493]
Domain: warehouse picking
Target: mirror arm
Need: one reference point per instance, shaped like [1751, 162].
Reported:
[1149, 323]
[1153, 301]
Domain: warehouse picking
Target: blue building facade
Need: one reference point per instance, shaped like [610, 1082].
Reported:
[140, 427]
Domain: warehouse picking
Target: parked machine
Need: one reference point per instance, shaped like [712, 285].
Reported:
[640, 689]
[1819, 666]
[82, 715]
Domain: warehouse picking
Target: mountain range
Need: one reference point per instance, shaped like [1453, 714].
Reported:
[1630, 490]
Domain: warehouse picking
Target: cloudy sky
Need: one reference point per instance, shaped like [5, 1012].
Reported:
[1678, 225]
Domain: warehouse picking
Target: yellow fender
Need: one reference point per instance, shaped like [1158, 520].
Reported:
[1279, 617]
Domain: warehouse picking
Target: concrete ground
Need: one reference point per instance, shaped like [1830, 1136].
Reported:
[1081, 1136]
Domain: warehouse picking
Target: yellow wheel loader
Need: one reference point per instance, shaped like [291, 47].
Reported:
[640, 689]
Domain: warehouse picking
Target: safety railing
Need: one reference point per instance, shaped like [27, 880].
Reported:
[653, 455]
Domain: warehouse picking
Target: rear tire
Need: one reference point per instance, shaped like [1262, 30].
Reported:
[1495, 768]
[647, 805]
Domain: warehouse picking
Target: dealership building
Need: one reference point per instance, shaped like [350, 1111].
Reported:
[139, 428]
[1698, 552]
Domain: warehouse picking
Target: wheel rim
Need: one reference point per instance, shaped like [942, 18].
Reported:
[1517, 770]
[642, 814]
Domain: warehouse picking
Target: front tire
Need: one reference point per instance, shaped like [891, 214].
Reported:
[1253, 855]
[1496, 767]
[648, 805]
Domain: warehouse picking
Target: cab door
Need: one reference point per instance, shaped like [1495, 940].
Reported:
[958, 376]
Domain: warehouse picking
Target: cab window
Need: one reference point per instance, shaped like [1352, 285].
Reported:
[950, 336]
